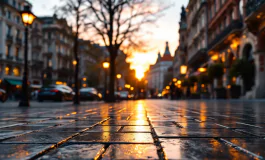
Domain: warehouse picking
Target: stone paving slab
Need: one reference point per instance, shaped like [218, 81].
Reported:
[254, 145]
[199, 125]
[136, 129]
[104, 129]
[9, 124]
[8, 134]
[41, 137]
[127, 133]
[74, 151]
[126, 123]
[131, 151]
[209, 133]
[24, 128]
[199, 149]
[114, 137]
[21, 151]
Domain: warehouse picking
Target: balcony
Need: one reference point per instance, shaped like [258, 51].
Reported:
[8, 57]
[9, 38]
[198, 58]
[254, 5]
[37, 63]
[234, 26]
[19, 41]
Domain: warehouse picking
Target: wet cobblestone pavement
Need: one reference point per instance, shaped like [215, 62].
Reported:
[151, 129]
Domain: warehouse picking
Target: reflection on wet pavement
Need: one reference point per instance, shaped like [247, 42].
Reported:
[131, 151]
[150, 129]
[75, 151]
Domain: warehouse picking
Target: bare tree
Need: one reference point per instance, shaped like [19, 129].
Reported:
[74, 11]
[117, 22]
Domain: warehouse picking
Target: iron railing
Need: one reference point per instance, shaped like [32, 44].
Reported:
[235, 25]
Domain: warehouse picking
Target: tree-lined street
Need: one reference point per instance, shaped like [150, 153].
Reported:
[151, 129]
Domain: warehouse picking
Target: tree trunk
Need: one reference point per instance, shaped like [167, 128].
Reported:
[111, 97]
[76, 97]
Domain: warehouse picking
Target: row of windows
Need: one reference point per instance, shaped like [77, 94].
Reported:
[15, 72]
[8, 51]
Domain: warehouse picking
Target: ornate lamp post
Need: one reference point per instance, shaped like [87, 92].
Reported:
[106, 67]
[27, 18]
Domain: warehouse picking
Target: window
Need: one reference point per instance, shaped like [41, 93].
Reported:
[9, 15]
[49, 63]
[19, 6]
[49, 35]
[18, 19]
[14, 3]
[7, 70]
[8, 30]
[241, 7]
[7, 50]
[16, 72]
[17, 53]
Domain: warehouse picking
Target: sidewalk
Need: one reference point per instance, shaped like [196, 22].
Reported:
[151, 129]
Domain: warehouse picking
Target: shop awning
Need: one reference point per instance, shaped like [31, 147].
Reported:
[14, 82]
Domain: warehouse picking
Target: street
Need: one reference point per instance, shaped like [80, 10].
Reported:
[146, 129]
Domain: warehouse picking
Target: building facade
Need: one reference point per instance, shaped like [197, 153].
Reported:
[57, 53]
[156, 75]
[197, 34]
[12, 47]
[253, 44]
[180, 57]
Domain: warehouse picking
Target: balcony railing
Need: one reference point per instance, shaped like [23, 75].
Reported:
[19, 41]
[8, 57]
[235, 25]
[9, 38]
[253, 5]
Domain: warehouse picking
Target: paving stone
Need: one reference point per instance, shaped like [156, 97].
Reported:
[7, 134]
[198, 125]
[126, 123]
[24, 128]
[9, 124]
[105, 129]
[131, 151]
[177, 132]
[41, 137]
[74, 151]
[199, 149]
[254, 145]
[114, 137]
[65, 129]
[136, 129]
[21, 151]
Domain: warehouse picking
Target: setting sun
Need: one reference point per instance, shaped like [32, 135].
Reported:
[139, 72]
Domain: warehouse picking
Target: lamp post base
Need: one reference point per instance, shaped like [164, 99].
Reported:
[24, 104]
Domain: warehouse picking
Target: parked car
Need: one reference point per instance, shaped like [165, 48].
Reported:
[3, 96]
[56, 93]
[90, 94]
[124, 95]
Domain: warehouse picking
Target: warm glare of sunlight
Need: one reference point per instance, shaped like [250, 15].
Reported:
[140, 107]
[139, 73]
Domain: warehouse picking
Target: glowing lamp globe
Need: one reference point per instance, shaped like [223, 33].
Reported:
[106, 65]
[27, 16]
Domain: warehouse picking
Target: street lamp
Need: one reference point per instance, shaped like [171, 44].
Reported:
[118, 76]
[106, 67]
[202, 70]
[27, 18]
[183, 69]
